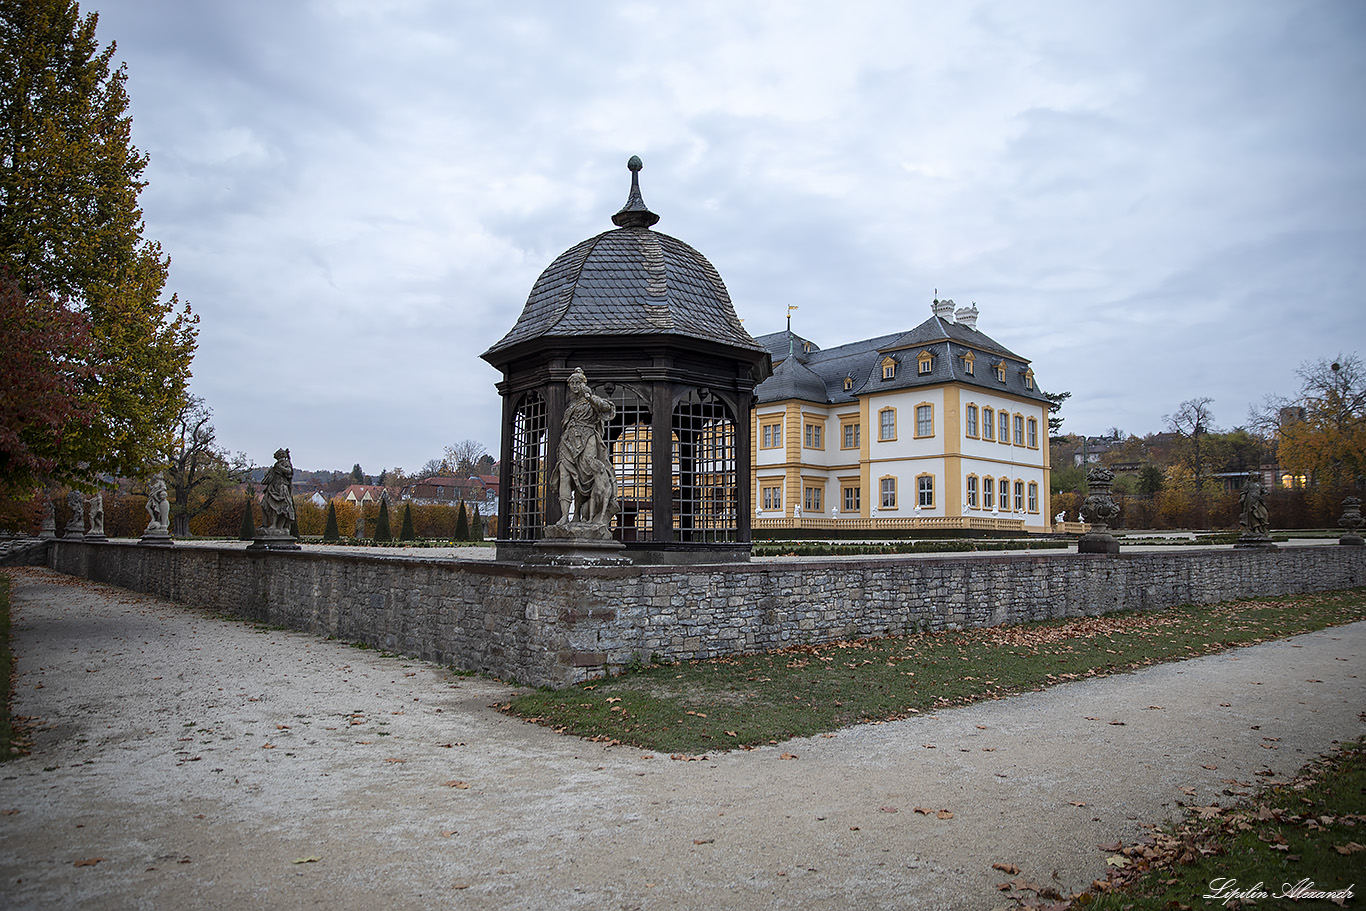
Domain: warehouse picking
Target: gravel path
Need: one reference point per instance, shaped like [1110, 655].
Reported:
[201, 759]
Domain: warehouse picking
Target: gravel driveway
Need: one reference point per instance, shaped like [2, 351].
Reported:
[186, 761]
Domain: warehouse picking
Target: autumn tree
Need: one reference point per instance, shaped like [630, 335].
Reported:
[1322, 432]
[1192, 422]
[71, 230]
[198, 472]
[47, 354]
[464, 456]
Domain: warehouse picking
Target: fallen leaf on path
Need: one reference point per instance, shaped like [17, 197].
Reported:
[1008, 869]
[703, 841]
[88, 862]
[1117, 722]
[888, 809]
[924, 811]
[1350, 848]
[449, 834]
[267, 746]
[461, 886]
[944, 814]
[457, 784]
[788, 756]
[1117, 860]
[1210, 767]
[392, 759]
[307, 860]
[1077, 803]
[1112, 847]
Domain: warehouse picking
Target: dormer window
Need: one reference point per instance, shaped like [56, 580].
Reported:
[888, 368]
[1029, 379]
[925, 363]
[1000, 371]
[967, 363]
[806, 347]
[848, 383]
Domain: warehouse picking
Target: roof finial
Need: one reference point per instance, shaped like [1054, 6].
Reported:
[635, 214]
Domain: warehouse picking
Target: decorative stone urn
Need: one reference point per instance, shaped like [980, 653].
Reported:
[1351, 520]
[1099, 508]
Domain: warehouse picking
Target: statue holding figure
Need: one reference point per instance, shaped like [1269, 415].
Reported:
[277, 500]
[76, 504]
[158, 507]
[583, 477]
[158, 514]
[1253, 520]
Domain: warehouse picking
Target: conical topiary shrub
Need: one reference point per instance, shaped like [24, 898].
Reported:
[248, 532]
[330, 530]
[476, 525]
[462, 524]
[382, 530]
[406, 533]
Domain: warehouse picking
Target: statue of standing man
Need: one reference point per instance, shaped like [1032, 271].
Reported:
[583, 478]
[277, 501]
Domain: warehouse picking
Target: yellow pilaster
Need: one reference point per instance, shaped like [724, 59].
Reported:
[953, 454]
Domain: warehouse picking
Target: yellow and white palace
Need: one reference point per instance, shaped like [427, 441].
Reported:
[940, 427]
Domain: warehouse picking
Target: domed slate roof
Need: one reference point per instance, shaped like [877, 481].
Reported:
[629, 281]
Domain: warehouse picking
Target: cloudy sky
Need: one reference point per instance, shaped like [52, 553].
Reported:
[1151, 201]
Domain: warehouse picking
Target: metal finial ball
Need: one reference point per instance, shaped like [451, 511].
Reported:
[634, 164]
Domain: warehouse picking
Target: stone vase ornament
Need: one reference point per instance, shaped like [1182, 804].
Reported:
[1352, 521]
[277, 507]
[158, 508]
[1099, 508]
[96, 513]
[1254, 526]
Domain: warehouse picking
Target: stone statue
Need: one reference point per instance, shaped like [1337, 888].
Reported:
[1060, 517]
[1253, 520]
[277, 499]
[583, 478]
[76, 503]
[49, 529]
[96, 517]
[158, 507]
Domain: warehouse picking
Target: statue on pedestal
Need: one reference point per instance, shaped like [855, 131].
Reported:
[277, 506]
[96, 512]
[583, 478]
[75, 526]
[1254, 527]
[158, 508]
[49, 529]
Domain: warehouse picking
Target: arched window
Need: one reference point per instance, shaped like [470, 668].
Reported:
[628, 437]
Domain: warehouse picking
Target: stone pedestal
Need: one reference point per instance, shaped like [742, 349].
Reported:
[1097, 543]
[49, 528]
[91, 538]
[578, 552]
[1255, 542]
[156, 537]
[266, 541]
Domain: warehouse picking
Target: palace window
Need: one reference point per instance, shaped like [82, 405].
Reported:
[888, 368]
[1019, 496]
[1029, 379]
[1033, 496]
[772, 498]
[968, 360]
[848, 383]
[924, 485]
[851, 499]
[925, 363]
[886, 424]
[924, 420]
[988, 493]
[1000, 371]
[1033, 433]
[888, 493]
[1019, 430]
[988, 424]
[850, 436]
[972, 491]
[813, 435]
[1005, 493]
[811, 499]
[771, 436]
[971, 414]
[1004, 435]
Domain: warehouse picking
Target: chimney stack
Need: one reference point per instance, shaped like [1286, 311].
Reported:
[943, 309]
[967, 316]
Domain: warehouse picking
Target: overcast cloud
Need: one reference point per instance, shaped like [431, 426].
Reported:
[1151, 201]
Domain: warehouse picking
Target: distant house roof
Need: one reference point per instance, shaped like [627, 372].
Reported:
[362, 492]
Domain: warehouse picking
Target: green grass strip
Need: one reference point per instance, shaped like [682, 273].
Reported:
[1292, 841]
[745, 701]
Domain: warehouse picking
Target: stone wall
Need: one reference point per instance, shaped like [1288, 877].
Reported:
[556, 626]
